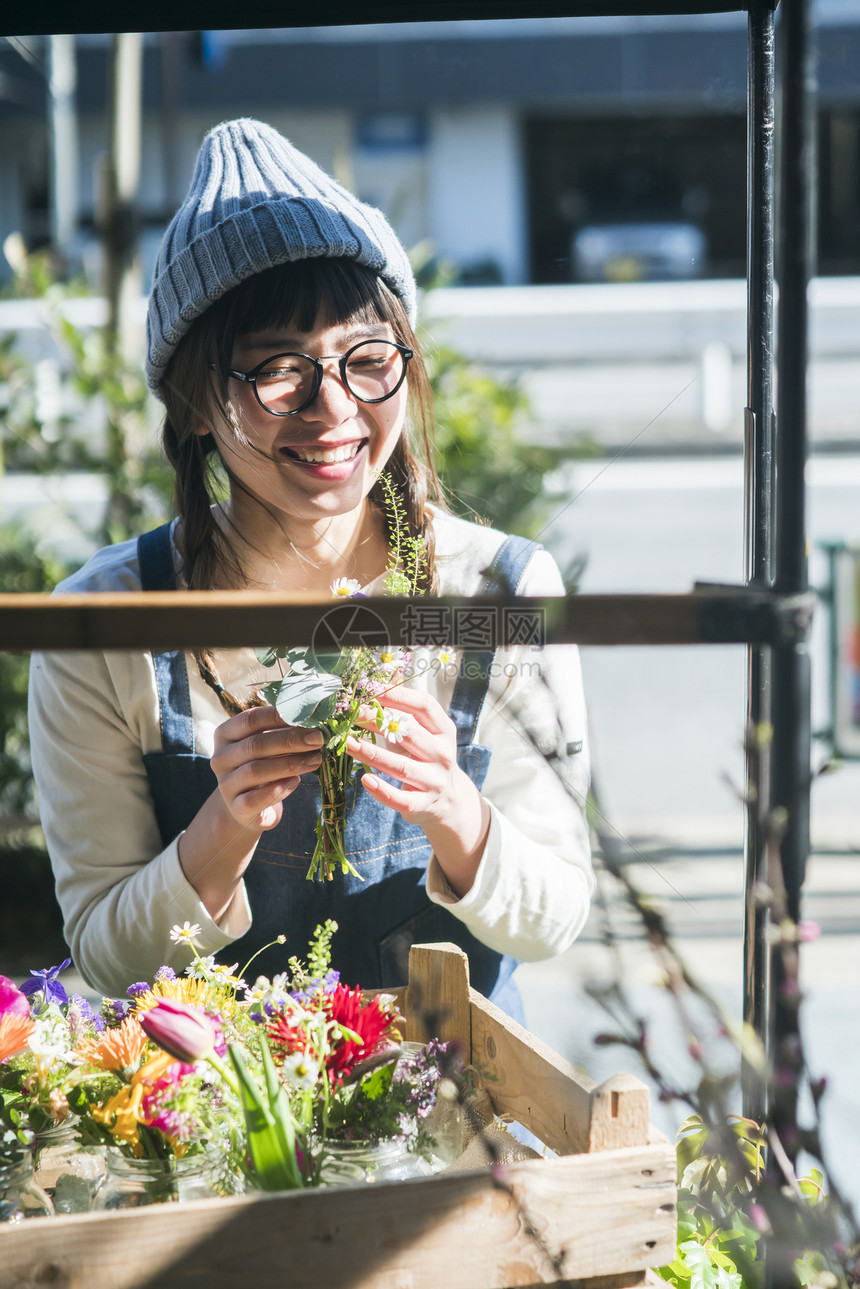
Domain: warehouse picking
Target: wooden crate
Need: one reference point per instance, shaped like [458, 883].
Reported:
[600, 1214]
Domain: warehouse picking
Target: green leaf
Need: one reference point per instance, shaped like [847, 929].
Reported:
[705, 1271]
[267, 657]
[275, 1169]
[332, 661]
[307, 699]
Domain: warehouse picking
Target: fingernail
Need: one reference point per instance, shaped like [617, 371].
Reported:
[313, 738]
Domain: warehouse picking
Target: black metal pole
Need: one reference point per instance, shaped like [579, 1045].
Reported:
[792, 737]
[758, 514]
[791, 758]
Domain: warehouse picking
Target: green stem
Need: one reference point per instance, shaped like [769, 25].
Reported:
[226, 1073]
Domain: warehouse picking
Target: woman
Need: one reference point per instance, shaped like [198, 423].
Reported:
[280, 339]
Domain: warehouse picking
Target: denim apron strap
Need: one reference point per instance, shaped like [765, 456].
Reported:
[505, 574]
[155, 556]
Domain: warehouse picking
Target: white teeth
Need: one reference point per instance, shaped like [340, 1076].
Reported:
[345, 453]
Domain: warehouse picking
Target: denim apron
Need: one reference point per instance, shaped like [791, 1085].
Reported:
[384, 911]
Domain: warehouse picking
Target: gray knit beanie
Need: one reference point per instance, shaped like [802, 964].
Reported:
[256, 201]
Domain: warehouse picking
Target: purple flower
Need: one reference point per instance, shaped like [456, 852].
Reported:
[114, 1011]
[48, 982]
[138, 988]
[165, 973]
[80, 1015]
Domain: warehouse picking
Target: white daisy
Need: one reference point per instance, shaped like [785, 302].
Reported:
[224, 975]
[389, 660]
[189, 931]
[445, 658]
[300, 1071]
[345, 586]
[396, 726]
[201, 968]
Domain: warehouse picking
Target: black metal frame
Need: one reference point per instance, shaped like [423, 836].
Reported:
[776, 577]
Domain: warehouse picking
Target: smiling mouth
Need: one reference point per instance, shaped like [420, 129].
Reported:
[328, 456]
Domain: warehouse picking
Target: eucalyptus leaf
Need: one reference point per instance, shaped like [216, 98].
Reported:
[270, 691]
[331, 661]
[267, 657]
[307, 698]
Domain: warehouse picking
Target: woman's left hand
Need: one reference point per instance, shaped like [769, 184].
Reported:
[434, 793]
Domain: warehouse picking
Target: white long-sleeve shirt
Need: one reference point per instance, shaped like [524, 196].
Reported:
[94, 715]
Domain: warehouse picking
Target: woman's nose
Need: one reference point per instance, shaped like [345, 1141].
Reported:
[333, 402]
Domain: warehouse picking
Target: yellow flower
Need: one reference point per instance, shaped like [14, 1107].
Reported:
[121, 1115]
[186, 990]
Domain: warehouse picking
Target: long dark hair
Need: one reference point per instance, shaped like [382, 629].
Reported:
[304, 294]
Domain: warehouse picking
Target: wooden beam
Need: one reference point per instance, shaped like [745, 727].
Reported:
[530, 1082]
[537, 1222]
[232, 619]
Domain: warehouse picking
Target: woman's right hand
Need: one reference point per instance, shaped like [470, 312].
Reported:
[257, 760]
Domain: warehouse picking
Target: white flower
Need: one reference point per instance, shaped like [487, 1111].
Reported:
[50, 1038]
[396, 726]
[189, 932]
[345, 586]
[446, 658]
[388, 661]
[300, 1071]
[259, 991]
[223, 975]
[266, 991]
[201, 968]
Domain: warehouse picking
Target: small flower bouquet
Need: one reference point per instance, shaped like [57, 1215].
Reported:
[260, 1082]
[332, 690]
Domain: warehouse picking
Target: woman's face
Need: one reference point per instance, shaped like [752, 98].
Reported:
[354, 439]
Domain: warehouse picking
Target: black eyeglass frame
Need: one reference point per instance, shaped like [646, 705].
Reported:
[250, 377]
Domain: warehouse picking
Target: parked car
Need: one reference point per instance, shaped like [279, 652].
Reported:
[670, 250]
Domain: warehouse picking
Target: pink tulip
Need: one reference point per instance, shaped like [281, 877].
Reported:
[183, 1031]
[12, 1000]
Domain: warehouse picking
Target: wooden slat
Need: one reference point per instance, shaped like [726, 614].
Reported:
[529, 1081]
[437, 1000]
[595, 1215]
[232, 619]
[619, 1114]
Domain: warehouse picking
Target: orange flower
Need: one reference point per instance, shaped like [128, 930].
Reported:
[15, 1034]
[116, 1049]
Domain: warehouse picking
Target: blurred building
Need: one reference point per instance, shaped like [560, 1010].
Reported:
[520, 151]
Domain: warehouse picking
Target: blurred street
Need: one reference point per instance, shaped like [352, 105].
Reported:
[667, 726]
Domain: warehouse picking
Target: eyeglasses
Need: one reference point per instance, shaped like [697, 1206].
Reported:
[372, 371]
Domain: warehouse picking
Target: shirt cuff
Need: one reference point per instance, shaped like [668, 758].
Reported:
[186, 906]
[439, 889]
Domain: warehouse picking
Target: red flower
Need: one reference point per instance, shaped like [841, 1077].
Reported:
[369, 1020]
[286, 1035]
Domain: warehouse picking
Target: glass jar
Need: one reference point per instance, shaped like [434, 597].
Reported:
[20, 1196]
[134, 1183]
[444, 1121]
[346, 1163]
[66, 1169]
